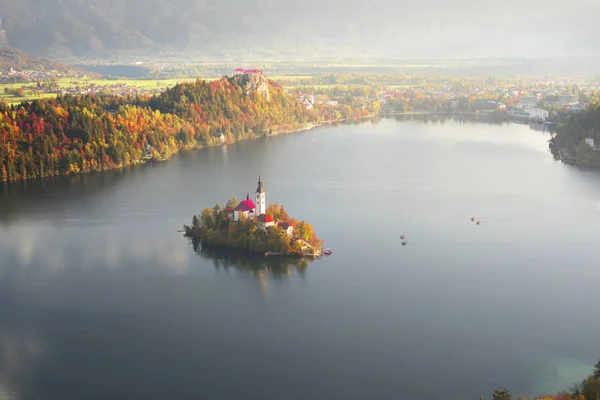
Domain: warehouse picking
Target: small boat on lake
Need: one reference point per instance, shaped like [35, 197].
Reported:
[403, 237]
[327, 252]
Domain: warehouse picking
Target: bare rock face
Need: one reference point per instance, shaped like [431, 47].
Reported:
[253, 81]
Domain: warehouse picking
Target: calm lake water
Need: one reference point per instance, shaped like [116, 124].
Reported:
[101, 298]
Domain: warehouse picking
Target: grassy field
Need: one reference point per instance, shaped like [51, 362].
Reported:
[70, 83]
[138, 83]
[145, 85]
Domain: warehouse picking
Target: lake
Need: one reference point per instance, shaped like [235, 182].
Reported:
[101, 297]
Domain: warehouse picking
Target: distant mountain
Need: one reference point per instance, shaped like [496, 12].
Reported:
[13, 58]
[307, 28]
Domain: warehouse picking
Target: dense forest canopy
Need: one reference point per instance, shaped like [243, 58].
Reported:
[71, 134]
[571, 137]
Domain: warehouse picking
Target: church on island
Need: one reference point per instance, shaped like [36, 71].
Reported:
[248, 209]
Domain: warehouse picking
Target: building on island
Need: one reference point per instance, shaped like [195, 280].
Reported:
[265, 221]
[261, 202]
[250, 210]
[245, 208]
[286, 227]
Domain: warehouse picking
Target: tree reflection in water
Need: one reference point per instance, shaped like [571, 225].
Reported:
[252, 263]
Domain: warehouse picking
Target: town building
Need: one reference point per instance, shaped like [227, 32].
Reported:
[527, 102]
[220, 137]
[537, 114]
[566, 99]
[308, 100]
[591, 142]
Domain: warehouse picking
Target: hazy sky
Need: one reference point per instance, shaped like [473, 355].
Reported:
[392, 27]
[487, 26]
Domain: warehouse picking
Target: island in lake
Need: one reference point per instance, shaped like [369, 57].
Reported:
[254, 226]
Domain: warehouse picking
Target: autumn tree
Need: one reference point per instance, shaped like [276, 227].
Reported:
[232, 204]
[72, 134]
[206, 219]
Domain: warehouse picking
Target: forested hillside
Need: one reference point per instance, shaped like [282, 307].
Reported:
[18, 60]
[70, 134]
[570, 143]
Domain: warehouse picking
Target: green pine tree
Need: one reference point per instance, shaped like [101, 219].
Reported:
[501, 394]
[596, 373]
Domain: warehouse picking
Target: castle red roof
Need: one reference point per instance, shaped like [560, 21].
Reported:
[246, 205]
[265, 218]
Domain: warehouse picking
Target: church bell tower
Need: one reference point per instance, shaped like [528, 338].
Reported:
[261, 202]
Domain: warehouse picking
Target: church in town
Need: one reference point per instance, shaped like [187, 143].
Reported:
[257, 209]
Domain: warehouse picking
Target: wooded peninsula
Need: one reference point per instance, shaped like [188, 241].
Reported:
[577, 141]
[73, 134]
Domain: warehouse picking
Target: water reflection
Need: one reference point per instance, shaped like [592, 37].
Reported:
[20, 336]
[252, 263]
[20, 349]
[471, 119]
[98, 291]
[59, 195]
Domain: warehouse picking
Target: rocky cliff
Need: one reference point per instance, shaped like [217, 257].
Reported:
[253, 81]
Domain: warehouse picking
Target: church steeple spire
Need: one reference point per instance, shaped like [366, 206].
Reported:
[260, 188]
[260, 196]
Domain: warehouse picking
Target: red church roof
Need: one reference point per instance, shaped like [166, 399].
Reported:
[246, 205]
[265, 218]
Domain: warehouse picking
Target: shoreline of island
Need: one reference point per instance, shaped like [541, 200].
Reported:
[255, 227]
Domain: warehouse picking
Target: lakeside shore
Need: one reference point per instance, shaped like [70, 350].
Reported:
[305, 127]
[275, 132]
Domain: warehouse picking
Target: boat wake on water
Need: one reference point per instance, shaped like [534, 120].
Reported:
[496, 218]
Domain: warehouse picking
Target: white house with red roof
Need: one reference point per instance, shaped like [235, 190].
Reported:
[245, 208]
[265, 221]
